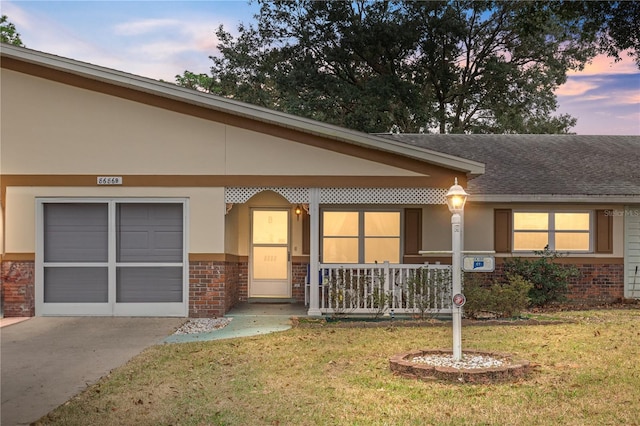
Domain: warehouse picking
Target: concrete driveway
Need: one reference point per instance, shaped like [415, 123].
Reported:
[45, 361]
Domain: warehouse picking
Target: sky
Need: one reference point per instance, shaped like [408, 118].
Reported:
[162, 39]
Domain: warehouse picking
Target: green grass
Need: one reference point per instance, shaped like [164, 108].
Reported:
[587, 372]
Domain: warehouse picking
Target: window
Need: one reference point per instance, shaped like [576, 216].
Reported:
[360, 236]
[562, 231]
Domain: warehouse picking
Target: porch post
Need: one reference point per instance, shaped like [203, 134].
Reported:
[314, 252]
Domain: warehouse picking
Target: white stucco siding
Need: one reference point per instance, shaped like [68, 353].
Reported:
[252, 153]
[205, 215]
[632, 251]
[52, 128]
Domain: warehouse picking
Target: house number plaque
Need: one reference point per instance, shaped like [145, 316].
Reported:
[109, 180]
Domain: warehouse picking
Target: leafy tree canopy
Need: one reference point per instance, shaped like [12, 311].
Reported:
[8, 32]
[415, 66]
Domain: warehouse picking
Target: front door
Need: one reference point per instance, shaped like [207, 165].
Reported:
[269, 264]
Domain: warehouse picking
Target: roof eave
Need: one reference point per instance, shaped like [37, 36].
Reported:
[555, 198]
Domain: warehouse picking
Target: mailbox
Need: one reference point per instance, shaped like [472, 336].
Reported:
[478, 263]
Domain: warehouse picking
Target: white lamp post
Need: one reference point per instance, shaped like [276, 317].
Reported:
[456, 197]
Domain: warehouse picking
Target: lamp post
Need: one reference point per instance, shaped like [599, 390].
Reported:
[456, 197]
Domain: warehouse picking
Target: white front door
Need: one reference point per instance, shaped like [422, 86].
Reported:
[270, 263]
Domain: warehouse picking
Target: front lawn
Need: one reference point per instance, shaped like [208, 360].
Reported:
[587, 372]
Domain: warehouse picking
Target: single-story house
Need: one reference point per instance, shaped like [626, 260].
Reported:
[122, 195]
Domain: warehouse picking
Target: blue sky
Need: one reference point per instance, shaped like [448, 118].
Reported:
[160, 39]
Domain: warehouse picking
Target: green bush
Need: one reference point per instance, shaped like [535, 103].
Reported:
[426, 289]
[505, 300]
[550, 280]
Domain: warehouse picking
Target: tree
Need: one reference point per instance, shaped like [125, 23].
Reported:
[428, 66]
[614, 25]
[8, 32]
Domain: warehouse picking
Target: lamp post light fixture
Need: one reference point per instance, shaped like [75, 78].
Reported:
[456, 198]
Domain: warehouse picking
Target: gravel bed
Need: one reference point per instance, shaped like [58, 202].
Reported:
[467, 361]
[202, 325]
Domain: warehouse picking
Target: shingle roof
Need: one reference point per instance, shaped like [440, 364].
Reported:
[544, 164]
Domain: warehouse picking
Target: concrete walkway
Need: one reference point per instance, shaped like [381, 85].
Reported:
[248, 319]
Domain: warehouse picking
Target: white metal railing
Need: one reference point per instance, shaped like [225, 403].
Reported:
[385, 288]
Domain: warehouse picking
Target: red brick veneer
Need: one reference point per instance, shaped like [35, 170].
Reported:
[18, 288]
[213, 288]
[299, 278]
[596, 284]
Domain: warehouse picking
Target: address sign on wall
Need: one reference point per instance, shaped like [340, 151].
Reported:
[109, 180]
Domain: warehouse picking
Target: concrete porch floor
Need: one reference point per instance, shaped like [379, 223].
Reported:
[266, 308]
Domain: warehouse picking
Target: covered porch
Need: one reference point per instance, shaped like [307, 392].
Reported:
[360, 247]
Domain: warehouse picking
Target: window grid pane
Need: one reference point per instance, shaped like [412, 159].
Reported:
[573, 241]
[529, 241]
[572, 221]
[382, 224]
[340, 224]
[381, 250]
[340, 250]
[530, 221]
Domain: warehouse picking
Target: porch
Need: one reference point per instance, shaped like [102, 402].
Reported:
[363, 245]
[380, 289]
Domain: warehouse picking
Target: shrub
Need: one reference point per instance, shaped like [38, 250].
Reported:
[427, 289]
[550, 280]
[505, 300]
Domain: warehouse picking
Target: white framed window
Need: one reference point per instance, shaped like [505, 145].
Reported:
[361, 236]
[569, 231]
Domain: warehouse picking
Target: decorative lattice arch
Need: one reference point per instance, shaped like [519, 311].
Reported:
[345, 195]
[242, 194]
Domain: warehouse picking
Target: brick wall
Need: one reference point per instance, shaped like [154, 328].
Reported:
[18, 288]
[299, 277]
[243, 281]
[596, 283]
[213, 288]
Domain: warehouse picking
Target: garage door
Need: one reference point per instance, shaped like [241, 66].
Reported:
[111, 257]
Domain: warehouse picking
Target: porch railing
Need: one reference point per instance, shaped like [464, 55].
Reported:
[384, 288]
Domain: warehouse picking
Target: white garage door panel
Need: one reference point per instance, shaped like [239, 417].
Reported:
[111, 257]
